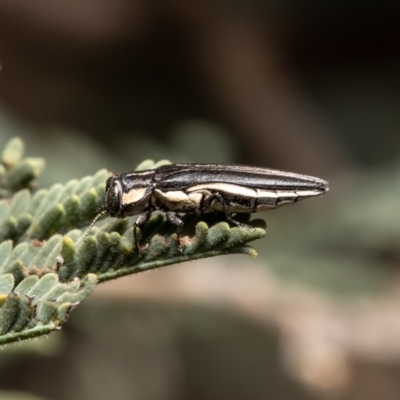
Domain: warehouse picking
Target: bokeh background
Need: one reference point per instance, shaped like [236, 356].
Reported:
[311, 87]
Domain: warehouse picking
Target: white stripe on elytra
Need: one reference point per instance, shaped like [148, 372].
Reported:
[225, 187]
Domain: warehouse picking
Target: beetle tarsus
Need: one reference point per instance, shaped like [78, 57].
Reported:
[241, 224]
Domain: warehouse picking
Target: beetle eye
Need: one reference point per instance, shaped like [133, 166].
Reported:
[113, 198]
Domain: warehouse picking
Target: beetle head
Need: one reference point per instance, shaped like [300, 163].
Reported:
[112, 201]
[113, 196]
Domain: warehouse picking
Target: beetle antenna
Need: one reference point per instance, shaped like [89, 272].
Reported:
[96, 216]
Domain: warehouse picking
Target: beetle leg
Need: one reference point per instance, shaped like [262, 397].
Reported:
[174, 220]
[241, 224]
[228, 215]
[139, 223]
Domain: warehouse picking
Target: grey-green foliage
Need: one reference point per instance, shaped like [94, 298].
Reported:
[46, 265]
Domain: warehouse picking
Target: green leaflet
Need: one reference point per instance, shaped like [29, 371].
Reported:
[113, 255]
[17, 172]
[47, 212]
[46, 266]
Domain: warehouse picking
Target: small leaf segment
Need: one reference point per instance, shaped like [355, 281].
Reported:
[46, 269]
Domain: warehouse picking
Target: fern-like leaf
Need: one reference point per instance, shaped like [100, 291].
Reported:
[46, 266]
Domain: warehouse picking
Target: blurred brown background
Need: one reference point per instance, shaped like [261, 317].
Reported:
[311, 87]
